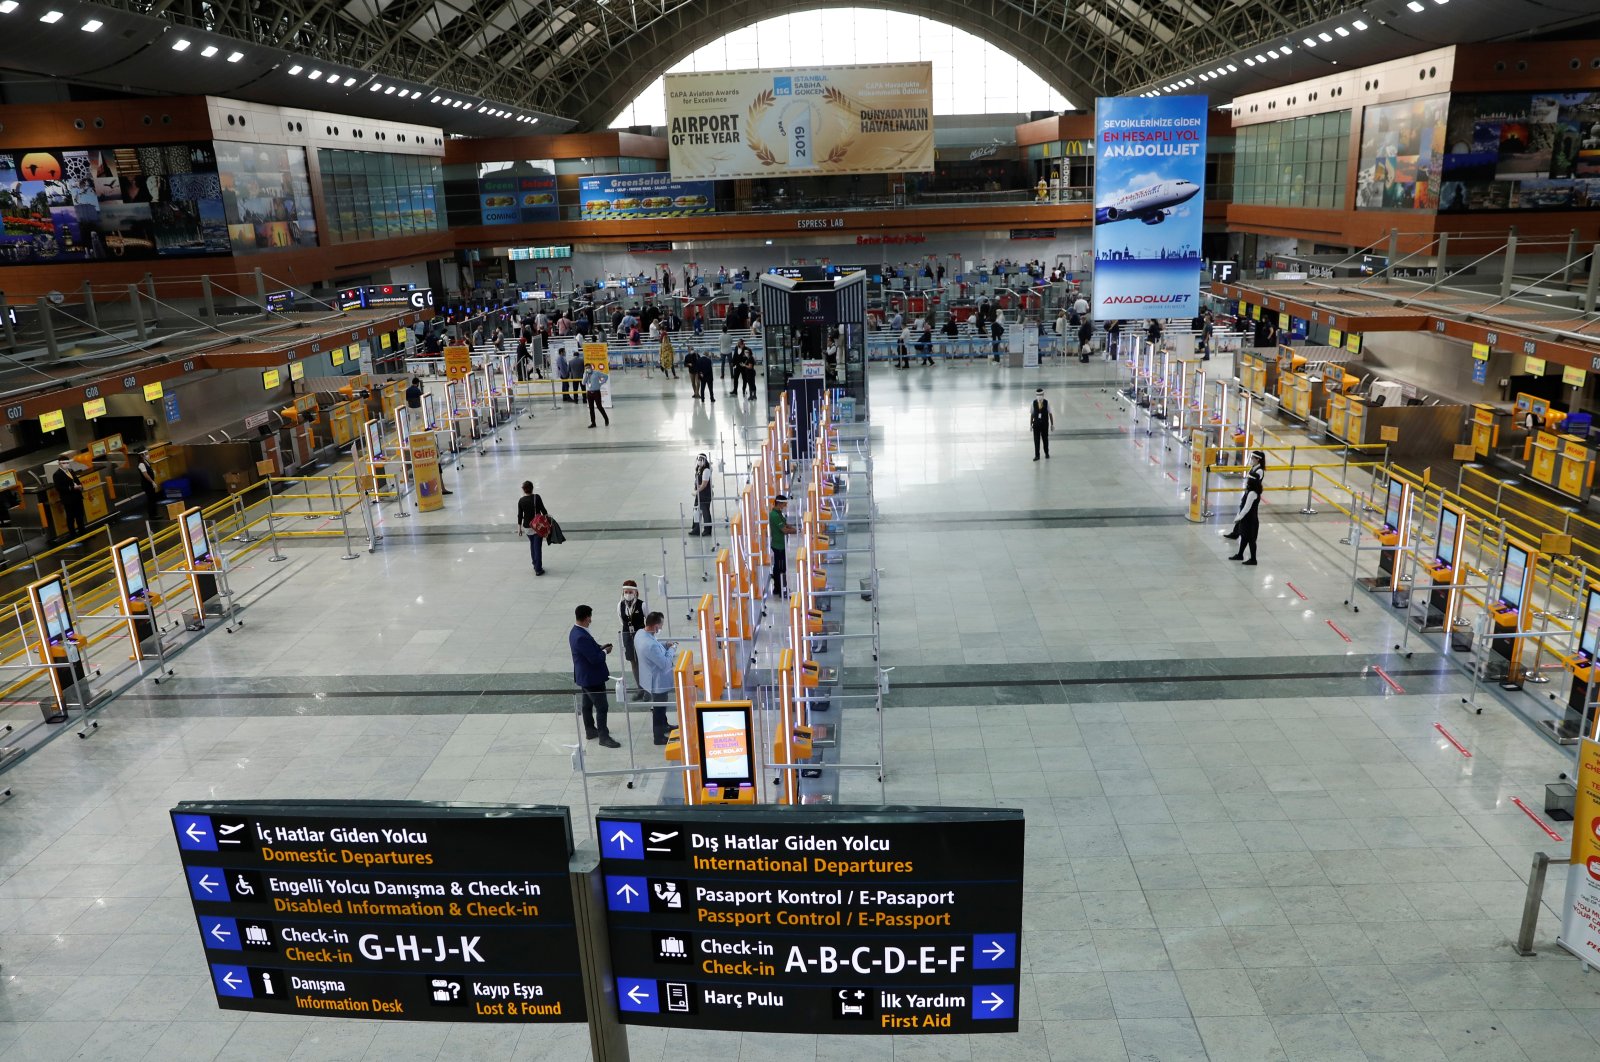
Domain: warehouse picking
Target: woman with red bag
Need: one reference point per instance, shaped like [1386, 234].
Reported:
[533, 520]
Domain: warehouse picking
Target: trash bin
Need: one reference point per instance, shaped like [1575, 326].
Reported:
[1401, 597]
[1461, 636]
[866, 589]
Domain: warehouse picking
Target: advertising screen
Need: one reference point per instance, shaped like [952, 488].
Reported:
[194, 528]
[1511, 581]
[643, 195]
[725, 746]
[1521, 151]
[1449, 520]
[1392, 505]
[1149, 194]
[53, 608]
[132, 569]
[510, 193]
[1402, 155]
[1589, 640]
[815, 121]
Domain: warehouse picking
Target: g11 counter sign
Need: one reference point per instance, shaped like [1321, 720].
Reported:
[1149, 182]
[401, 910]
[852, 920]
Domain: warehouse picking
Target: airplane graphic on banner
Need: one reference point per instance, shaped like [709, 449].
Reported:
[1150, 204]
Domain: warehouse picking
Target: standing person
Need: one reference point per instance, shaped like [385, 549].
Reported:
[1113, 338]
[655, 670]
[740, 352]
[630, 614]
[560, 367]
[1247, 523]
[749, 373]
[529, 506]
[996, 331]
[1080, 305]
[702, 496]
[1153, 333]
[778, 526]
[707, 378]
[147, 483]
[905, 354]
[594, 382]
[70, 491]
[950, 332]
[925, 340]
[1085, 335]
[590, 673]
[668, 364]
[1042, 421]
[691, 365]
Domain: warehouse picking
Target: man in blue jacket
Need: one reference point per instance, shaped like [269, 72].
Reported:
[591, 674]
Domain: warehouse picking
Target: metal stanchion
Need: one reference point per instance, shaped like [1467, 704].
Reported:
[272, 531]
[1532, 900]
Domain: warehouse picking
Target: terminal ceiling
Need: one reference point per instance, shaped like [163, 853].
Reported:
[577, 63]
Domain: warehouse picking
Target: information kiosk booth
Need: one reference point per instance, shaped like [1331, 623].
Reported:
[1510, 609]
[197, 558]
[58, 645]
[1577, 723]
[1393, 537]
[133, 589]
[1444, 599]
[806, 312]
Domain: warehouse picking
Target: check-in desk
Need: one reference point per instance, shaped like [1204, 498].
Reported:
[1574, 468]
[1302, 396]
[1338, 412]
[1258, 375]
[1487, 423]
[1355, 420]
[1542, 452]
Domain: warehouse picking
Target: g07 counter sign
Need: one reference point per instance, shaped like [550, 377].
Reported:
[409, 910]
[850, 920]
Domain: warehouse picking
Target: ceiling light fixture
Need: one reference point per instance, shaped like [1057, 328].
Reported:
[8, 6]
[50, 18]
[349, 81]
[1260, 58]
[1324, 38]
[434, 100]
[180, 45]
[1309, 42]
[1249, 62]
[1341, 31]
[295, 70]
[1232, 69]
[92, 25]
[1358, 24]
[377, 86]
[315, 75]
[234, 57]
[1285, 49]
[208, 51]
[1272, 53]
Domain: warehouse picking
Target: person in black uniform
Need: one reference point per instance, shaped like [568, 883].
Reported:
[630, 615]
[1247, 524]
[70, 491]
[147, 483]
[1041, 420]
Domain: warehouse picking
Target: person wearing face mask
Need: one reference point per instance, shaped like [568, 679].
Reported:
[702, 496]
[1247, 524]
[70, 491]
[630, 611]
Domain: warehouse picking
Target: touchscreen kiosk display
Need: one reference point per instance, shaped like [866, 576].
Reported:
[1391, 507]
[1540, 407]
[132, 570]
[1589, 641]
[1511, 581]
[1449, 520]
[725, 746]
[53, 607]
[1523, 403]
[194, 526]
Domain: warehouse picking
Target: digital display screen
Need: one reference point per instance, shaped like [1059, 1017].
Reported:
[194, 527]
[132, 570]
[1589, 639]
[1449, 520]
[725, 746]
[53, 607]
[1511, 581]
[1540, 407]
[1523, 405]
[1391, 506]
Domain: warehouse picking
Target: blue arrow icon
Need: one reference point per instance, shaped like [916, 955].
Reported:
[994, 1002]
[231, 981]
[621, 840]
[195, 833]
[627, 894]
[220, 933]
[994, 951]
[207, 883]
[637, 996]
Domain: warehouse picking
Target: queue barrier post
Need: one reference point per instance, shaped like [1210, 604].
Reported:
[272, 532]
[344, 523]
[1532, 900]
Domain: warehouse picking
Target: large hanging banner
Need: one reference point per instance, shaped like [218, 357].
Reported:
[820, 120]
[1580, 917]
[1149, 185]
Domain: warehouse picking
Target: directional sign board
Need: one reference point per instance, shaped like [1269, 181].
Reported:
[846, 920]
[385, 909]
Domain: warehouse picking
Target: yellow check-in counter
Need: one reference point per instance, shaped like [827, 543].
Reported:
[1258, 375]
[1338, 411]
[1542, 451]
[1297, 394]
[1355, 421]
[1486, 424]
[1575, 467]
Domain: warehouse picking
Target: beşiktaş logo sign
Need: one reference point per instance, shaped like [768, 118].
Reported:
[1150, 159]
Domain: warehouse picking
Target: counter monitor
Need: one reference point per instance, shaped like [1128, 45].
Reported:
[194, 526]
[1511, 581]
[53, 607]
[1392, 514]
[132, 571]
[1449, 520]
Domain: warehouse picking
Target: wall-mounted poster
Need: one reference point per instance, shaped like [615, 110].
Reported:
[644, 195]
[1522, 151]
[1402, 155]
[109, 203]
[510, 193]
[266, 195]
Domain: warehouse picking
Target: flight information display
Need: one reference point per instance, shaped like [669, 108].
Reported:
[385, 909]
[846, 920]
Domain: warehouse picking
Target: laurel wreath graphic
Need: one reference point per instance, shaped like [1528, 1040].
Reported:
[831, 97]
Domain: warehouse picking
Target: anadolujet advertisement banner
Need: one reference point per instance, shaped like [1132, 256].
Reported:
[1580, 918]
[874, 118]
[1149, 178]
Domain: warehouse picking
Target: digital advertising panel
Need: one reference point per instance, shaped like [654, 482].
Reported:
[1521, 151]
[1149, 183]
[875, 118]
[643, 195]
[1402, 155]
[510, 197]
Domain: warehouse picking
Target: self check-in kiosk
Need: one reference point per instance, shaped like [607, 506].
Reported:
[58, 646]
[1393, 536]
[198, 559]
[1510, 609]
[127, 564]
[727, 752]
[1575, 723]
[1443, 598]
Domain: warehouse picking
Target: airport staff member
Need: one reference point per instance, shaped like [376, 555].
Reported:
[630, 614]
[1042, 421]
[655, 667]
[147, 483]
[70, 491]
[590, 673]
[778, 525]
[1247, 524]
